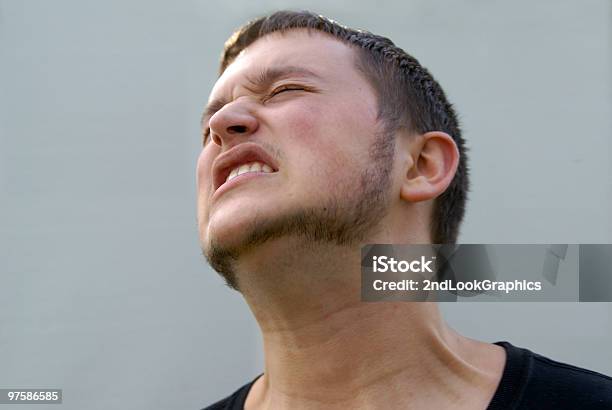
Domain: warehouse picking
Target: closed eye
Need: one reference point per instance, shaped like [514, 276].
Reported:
[276, 91]
[284, 88]
[287, 88]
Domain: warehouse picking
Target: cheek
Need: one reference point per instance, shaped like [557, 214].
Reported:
[204, 168]
[314, 143]
[327, 146]
[336, 131]
[204, 181]
[304, 123]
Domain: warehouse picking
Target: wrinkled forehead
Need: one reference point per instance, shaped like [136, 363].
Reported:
[309, 50]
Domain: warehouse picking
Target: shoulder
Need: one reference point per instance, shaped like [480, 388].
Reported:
[235, 401]
[532, 380]
[223, 404]
[566, 383]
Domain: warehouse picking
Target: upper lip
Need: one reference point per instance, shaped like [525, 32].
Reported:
[240, 154]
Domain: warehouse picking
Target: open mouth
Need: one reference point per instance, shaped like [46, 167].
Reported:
[251, 167]
[246, 158]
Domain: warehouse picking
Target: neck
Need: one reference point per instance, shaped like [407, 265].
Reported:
[322, 344]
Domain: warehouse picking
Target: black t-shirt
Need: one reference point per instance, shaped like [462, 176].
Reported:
[530, 381]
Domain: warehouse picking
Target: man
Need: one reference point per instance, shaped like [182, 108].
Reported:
[319, 139]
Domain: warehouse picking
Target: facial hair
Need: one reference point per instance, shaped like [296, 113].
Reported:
[343, 221]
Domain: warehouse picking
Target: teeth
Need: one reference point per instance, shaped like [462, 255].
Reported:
[250, 167]
[243, 168]
[232, 174]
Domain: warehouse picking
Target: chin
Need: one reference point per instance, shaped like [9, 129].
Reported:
[227, 231]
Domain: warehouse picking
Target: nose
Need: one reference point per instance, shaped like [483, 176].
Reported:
[232, 121]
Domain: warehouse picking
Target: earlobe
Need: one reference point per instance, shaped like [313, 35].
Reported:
[435, 161]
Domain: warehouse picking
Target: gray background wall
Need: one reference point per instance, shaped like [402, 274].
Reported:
[103, 291]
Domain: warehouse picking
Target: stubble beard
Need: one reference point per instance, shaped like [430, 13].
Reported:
[342, 221]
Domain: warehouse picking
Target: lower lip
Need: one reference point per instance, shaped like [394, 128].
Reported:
[239, 180]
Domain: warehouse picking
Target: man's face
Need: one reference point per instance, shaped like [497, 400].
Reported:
[296, 102]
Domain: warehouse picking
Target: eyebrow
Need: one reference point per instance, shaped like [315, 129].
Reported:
[259, 82]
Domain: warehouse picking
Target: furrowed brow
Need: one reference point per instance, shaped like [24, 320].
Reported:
[269, 75]
[261, 81]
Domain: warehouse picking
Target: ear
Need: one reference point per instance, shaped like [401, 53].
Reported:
[435, 159]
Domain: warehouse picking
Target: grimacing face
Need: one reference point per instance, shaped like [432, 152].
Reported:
[298, 97]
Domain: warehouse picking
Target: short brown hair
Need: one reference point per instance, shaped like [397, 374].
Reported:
[408, 96]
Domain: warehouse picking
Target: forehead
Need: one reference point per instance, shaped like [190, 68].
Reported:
[320, 54]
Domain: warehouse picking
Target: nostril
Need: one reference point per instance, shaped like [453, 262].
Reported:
[238, 129]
